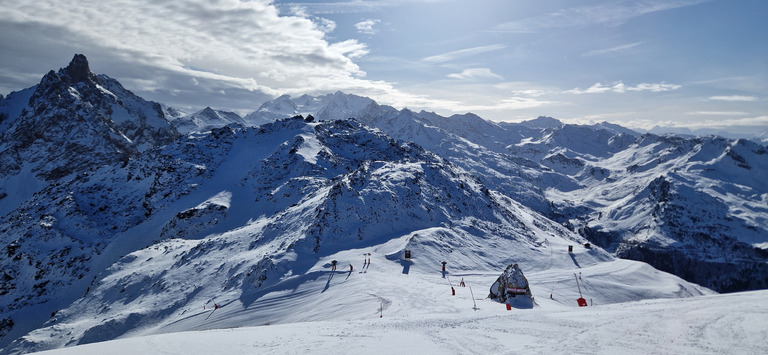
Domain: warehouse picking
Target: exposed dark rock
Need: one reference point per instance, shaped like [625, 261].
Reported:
[78, 69]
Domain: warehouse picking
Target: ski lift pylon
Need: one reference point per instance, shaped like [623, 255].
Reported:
[581, 301]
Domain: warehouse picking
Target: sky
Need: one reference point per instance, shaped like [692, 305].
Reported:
[698, 65]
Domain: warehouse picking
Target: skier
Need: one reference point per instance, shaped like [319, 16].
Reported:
[333, 265]
[350, 267]
[461, 283]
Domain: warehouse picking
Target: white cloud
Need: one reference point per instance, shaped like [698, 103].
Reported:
[350, 48]
[225, 45]
[325, 24]
[347, 6]
[619, 87]
[736, 98]
[594, 89]
[449, 56]
[654, 87]
[367, 26]
[475, 74]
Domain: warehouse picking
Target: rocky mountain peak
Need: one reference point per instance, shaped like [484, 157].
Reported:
[208, 112]
[78, 69]
[76, 120]
[543, 122]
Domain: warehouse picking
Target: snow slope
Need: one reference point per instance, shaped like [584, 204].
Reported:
[203, 120]
[251, 218]
[721, 324]
[413, 296]
[325, 107]
[691, 206]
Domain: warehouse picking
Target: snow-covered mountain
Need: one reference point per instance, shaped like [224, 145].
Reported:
[691, 206]
[203, 120]
[695, 207]
[73, 120]
[237, 215]
[116, 225]
[324, 107]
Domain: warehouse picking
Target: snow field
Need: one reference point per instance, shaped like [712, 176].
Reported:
[713, 324]
[416, 289]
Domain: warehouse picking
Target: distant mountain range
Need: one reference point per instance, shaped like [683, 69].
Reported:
[695, 207]
[109, 202]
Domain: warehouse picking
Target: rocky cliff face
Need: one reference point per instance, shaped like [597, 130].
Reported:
[75, 120]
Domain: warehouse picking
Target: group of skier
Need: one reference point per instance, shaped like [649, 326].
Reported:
[366, 262]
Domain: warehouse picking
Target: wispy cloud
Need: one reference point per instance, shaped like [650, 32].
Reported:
[367, 26]
[322, 23]
[758, 121]
[654, 87]
[620, 48]
[718, 113]
[742, 83]
[524, 89]
[612, 14]
[511, 103]
[449, 56]
[620, 87]
[736, 98]
[474, 74]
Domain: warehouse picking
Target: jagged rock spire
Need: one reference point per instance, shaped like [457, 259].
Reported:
[78, 69]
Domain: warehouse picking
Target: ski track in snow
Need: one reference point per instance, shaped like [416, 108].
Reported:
[716, 324]
[324, 311]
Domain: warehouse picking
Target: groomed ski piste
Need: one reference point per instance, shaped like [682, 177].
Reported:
[392, 306]
[701, 325]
